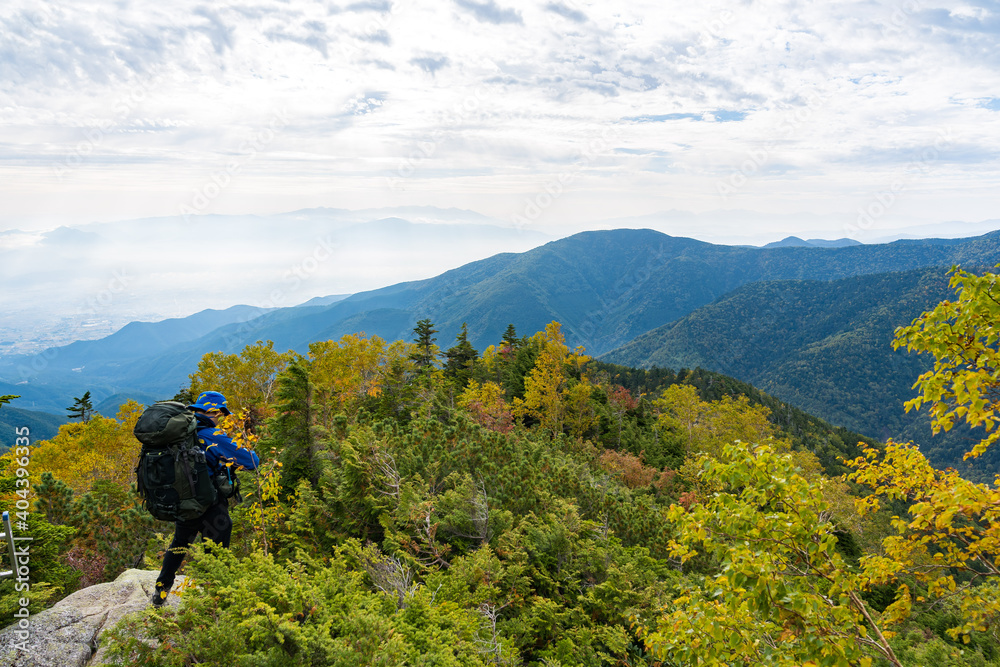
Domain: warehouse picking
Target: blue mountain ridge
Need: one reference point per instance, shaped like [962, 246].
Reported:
[605, 287]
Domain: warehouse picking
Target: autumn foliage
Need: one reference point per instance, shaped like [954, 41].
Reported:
[528, 506]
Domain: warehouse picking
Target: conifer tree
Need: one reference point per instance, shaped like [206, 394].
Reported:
[82, 408]
[289, 429]
[426, 353]
[7, 398]
[460, 358]
[54, 499]
[185, 395]
[510, 338]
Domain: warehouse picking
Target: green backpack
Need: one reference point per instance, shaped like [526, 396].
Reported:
[172, 476]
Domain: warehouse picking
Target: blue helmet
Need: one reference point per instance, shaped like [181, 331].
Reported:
[210, 400]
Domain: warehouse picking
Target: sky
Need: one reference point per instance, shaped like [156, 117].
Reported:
[841, 119]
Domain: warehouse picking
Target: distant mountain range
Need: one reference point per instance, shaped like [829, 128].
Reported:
[84, 283]
[796, 242]
[608, 289]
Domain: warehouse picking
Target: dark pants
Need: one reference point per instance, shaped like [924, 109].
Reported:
[214, 525]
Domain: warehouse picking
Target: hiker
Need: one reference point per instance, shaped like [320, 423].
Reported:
[215, 523]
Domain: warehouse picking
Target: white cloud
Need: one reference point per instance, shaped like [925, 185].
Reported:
[122, 110]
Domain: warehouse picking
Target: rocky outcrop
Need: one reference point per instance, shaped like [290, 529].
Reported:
[69, 633]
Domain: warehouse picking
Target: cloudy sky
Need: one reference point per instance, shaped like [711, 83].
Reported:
[865, 115]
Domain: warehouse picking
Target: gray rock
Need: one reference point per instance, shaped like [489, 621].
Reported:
[68, 634]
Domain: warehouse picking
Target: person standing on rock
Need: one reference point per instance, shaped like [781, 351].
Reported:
[221, 454]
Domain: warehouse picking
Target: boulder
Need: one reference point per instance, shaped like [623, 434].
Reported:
[68, 634]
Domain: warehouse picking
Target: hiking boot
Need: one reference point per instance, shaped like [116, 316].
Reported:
[160, 594]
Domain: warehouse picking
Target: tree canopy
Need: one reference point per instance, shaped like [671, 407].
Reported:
[528, 506]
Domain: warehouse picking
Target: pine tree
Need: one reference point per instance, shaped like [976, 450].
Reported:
[461, 358]
[7, 398]
[510, 338]
[185, 395]
[54, 499]
[426, 353]
[289, 429]
[82, 408]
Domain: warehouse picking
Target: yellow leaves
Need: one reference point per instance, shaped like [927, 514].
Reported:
[247, 379]
[580, 414]
[486, 404]
[548, 394]
[900, 610]
[953, 526]
[347, 371]
[962, 336]
[867, 505]
[82, 453]
[707, 427]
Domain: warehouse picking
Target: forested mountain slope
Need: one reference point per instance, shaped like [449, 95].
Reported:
[420, 504]
[824, 347]
[605, 288]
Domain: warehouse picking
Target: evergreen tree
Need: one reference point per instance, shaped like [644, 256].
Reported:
[426, 353]
[82, 408]
[185, 395]
[461, 358]
[7, 398]
[289, 429]
[510, 338]
[54, 499]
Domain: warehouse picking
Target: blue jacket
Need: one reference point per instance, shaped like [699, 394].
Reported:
[220, 449]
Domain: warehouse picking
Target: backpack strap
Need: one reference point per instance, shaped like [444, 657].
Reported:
[184, 457]
[140, 484]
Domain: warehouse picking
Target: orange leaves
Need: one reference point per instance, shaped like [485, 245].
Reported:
[633, 472]
[486, 405]
[630, 468]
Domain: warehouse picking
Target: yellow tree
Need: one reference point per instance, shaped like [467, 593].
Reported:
[486, 405]
[781, 593]
[953, 525]
[581, 416]
[247, 379]
[706, 427]
[963, 337]
[82, 453]
[345, 372]
[547, 387]
[950, 542]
